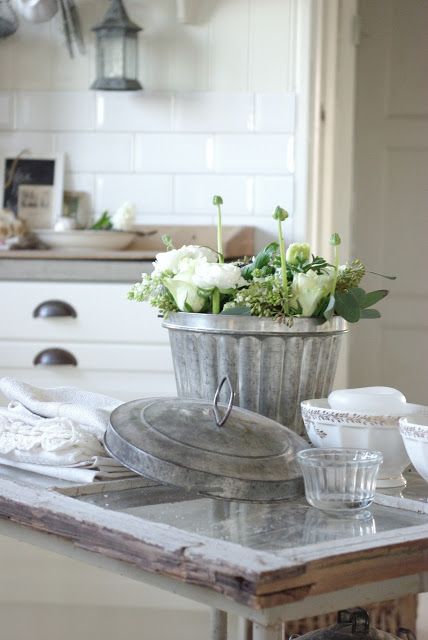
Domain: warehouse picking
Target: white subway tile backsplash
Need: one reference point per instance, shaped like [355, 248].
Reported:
[92, 152]
[134, 111]
[173, 153]
[79, 182]
[272, 191]
[194, 194]
[17, 141]
[253, 153]
[5, 110]
[55, 110]
[149, 193]
[275, 112]
[213, 112]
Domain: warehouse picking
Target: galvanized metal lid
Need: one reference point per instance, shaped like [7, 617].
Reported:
[214, 449]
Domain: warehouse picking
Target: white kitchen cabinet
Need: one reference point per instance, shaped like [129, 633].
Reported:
[119, 347]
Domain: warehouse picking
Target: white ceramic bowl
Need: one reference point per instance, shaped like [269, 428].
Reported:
[86, 239]
[328, 427]
[414, 432]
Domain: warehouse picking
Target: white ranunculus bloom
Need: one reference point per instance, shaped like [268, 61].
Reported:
[124, 218]
[172, 260]
[185, 292]
[309, 288]
[217, 276]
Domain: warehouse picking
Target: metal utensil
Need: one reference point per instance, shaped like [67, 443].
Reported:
[8, 19]
[37, 10]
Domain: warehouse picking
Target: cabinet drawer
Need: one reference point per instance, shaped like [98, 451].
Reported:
[125, 372]
[121, 385]
[90, 357]
[103, 314]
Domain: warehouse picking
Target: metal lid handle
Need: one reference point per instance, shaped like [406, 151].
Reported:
[358, 617]
[219, 419]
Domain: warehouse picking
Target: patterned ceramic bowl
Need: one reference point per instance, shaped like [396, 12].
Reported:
[328, 427]
[414, 432]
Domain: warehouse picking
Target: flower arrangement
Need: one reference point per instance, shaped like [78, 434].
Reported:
[278, 282]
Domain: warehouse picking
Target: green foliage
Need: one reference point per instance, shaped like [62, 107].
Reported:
[354, 303]
[103, 222]
[152, 290]
[263, 298]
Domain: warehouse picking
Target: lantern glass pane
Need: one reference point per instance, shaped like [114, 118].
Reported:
[113, 56]
[131, 61]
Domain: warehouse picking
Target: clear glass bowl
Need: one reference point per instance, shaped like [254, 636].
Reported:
[340, 481]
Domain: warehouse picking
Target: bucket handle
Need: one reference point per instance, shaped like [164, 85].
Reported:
[219, 419]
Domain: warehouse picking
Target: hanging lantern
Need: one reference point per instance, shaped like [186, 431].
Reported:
[117, 51]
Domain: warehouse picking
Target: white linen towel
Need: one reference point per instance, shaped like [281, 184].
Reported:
[57, 432]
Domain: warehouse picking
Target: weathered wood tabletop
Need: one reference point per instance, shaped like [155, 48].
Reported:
[266, 562]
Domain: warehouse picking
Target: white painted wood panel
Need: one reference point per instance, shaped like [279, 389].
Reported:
[391, 197]
[104, 314]
[124, 386]
[391, 186]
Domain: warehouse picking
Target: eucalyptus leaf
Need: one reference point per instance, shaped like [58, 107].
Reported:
[370, 313]
[361, 295]
[374, 296]
[236, 311]
[347, 306]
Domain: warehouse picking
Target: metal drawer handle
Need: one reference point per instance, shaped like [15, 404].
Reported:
[54, 309]
[55, 357]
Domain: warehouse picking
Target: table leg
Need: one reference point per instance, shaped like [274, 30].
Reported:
[218, 625]
[267, 633]
[245, 629]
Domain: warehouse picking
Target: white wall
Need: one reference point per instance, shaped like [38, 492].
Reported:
[223, 100]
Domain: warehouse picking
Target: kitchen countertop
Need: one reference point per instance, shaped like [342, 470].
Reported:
[100, 266]
[117, 266]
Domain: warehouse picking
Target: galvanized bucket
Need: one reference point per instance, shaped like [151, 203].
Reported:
[272, 365]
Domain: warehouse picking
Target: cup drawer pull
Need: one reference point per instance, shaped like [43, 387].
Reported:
[55, 357]
[54, 309]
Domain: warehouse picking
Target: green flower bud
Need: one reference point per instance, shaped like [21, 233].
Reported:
[217, 200]
[335, 240]
[167, 241]
[280, 214]
[298, 252]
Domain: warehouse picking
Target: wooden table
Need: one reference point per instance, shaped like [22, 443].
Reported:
[266, 563]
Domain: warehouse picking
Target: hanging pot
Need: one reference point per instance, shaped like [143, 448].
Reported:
[37, 10]
[354, 624]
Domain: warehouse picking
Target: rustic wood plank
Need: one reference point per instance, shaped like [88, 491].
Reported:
[257, 579]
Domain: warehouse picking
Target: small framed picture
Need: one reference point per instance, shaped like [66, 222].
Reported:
[32, 187]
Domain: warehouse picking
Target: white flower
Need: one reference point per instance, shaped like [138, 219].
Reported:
[309, 288]
[172, 260]
[124, 218]
[215, 275]
[186, 293]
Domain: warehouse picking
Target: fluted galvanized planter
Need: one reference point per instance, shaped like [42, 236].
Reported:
[272, 366]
